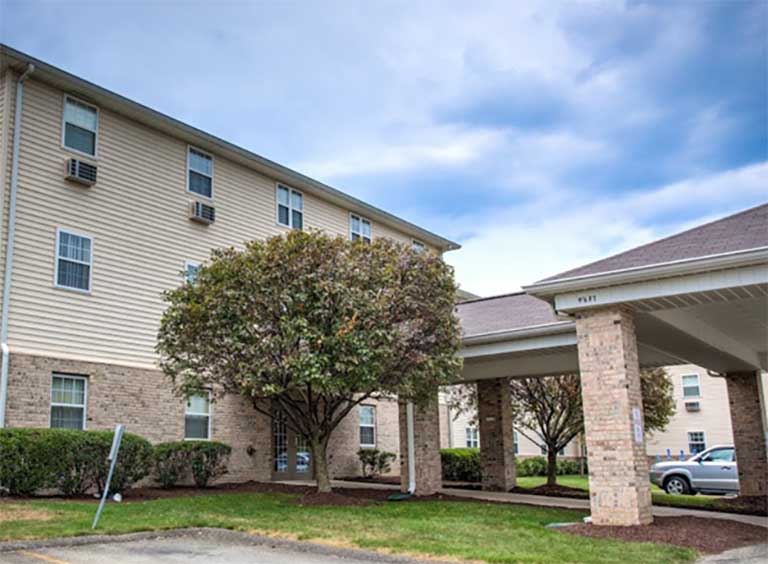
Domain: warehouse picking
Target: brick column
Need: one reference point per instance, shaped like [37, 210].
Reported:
[497, 443]
[619, 488]
[748, 432]
[426, 432]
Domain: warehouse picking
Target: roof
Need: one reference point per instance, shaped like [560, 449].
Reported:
[17, 60]
[504, 313]
[742, 231]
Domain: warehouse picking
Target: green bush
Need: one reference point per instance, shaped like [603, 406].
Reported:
[461, 464]
[70, 461]
[533, 466]
[375, 462]
[202, 460]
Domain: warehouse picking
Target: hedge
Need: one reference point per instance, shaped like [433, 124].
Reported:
[463, 465]
[202, 460]
[73, 462]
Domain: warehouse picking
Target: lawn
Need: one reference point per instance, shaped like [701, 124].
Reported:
[463, 530]
[659, 497]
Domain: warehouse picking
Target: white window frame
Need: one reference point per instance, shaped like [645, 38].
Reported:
[475, 440]
[703, 437]
[418, 246]
[191, 148]
[291, 191]
[57, 404]
[360, 219]
[515, 442]
[64, 146]
[368, 426]
[59, 231]
[683, 386]
[187, 264]
[209, 415]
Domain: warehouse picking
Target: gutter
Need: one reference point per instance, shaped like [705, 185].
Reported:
[554, 328]
[681, 267]
[4, 350]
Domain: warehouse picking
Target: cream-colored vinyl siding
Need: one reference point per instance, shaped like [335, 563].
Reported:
[7, 108]
[137, 215]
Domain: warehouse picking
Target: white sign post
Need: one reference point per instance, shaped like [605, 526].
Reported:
[119, 429]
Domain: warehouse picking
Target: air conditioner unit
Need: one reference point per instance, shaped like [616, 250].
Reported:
[81, 172]
[202, 213]
[692, 406]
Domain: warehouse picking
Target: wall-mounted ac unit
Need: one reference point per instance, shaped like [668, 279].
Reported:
[202, 213]
[693, 406]
[81, 172]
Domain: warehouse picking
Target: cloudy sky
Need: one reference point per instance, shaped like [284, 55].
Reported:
[539, 135]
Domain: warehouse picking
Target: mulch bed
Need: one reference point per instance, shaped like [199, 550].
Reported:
[553, 491]
[706, 535]
[751, 505]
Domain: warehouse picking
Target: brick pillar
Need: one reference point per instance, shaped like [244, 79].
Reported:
[619, 488]
[497, 443]
[748, 432]
[426, 432]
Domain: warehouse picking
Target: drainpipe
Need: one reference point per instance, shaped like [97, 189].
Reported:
[411, 448]
[4, 350]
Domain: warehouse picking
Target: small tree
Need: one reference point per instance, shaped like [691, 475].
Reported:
[548, 410]
[309, 326]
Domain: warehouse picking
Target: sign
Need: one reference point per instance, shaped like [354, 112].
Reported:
[637, 419]
[116, 439]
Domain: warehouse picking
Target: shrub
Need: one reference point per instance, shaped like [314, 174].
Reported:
[461, 464]
[533, 466]
[71, 461]
[203, 460]
[375, 462]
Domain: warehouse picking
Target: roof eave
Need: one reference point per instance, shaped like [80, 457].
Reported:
[163, 122]
[734, 259]
[553, 328]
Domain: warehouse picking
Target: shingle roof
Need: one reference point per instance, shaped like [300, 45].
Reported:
[739, 232]
[503, 313]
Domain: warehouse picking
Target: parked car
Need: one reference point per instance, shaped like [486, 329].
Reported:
[712, 471]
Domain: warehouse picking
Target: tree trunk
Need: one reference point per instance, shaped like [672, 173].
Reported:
[320, 461]
[551, 466]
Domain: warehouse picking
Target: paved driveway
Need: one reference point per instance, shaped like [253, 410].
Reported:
[192, 547]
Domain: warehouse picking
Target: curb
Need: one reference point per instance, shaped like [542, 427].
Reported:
[220, 535]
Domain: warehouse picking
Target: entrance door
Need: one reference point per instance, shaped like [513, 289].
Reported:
[291, 459]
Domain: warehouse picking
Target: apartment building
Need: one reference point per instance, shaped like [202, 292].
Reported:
[107, 203]
[702, 419]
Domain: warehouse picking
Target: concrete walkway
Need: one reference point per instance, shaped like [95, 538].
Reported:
[567, 502]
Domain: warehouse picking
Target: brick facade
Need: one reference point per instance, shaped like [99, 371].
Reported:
[426, 431]
[610, 378]
[748, 432]
[497, 449]
[142, 399]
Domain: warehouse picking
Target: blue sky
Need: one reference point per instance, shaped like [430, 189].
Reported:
[540, 135]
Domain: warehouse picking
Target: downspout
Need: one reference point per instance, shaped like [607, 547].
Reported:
[411, 448]
[9, 246]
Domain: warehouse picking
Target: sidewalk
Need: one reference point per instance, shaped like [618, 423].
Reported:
[567, 502]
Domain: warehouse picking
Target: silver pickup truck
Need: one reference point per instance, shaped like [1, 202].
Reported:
[712, 471]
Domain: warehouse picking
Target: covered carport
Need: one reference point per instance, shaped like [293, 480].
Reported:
[699, 297]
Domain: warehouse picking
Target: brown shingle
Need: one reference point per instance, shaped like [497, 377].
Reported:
[503, 313]
[739, 232]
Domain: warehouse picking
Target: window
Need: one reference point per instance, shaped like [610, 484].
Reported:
[367, 426]
[359, 228]
[197, 417]
[290, 207]
[199, 173]
[418, 246]
[719, 455]
[691, 387]
[68, 399]
[190, 271]
[73, 261]
[81, 122]
[516, 442]
[696, 442]
[473, 437]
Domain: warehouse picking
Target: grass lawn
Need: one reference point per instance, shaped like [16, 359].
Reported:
[464, 530]
[659, 497]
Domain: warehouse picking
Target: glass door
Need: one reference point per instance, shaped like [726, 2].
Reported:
[291, 457]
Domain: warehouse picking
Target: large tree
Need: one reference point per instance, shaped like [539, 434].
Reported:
[548, 411]
[308, 326]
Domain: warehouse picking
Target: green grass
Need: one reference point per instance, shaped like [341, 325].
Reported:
[465, 530]
[658, 495]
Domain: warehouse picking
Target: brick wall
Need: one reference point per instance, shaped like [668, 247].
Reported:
[426, 432]
[748, 432]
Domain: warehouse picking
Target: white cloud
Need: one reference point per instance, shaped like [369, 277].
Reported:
[519, 245]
